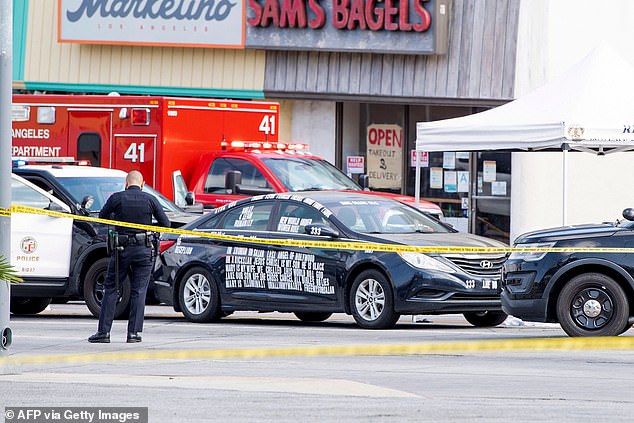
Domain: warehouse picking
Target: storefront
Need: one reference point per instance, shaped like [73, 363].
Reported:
[353, 77]
[473, 189]
[377, 97]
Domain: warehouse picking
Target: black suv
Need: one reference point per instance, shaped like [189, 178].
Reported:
[588, 293]
[84, 190]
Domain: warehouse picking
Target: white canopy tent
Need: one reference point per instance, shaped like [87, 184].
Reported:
[588, 108]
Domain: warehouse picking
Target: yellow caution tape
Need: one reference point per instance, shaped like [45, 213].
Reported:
[498, 345]
[332, 245]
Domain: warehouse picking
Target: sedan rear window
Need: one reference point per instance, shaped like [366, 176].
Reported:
[249, 217]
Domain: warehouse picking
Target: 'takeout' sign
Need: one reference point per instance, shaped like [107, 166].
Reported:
[384, 146]
[388, 26]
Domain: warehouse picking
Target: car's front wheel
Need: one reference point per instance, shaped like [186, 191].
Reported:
[485, 319]
[312, 316]
[372, 302]
[593, 304]
[199, 296]
[94, 290]
[28, 305]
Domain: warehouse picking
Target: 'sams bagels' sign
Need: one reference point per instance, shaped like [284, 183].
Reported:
[382, 26]
[395, 26]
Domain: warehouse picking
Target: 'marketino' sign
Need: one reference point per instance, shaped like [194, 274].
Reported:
[190, 23]
[388, 26]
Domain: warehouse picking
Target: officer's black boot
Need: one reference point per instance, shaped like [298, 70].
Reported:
[134, 337]
[100, 337]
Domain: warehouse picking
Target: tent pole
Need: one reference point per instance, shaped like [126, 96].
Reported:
[564, 149]
[417, 181]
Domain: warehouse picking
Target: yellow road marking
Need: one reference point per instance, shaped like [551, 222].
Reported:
[498, 345]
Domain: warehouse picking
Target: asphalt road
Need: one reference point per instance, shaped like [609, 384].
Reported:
[175, 373]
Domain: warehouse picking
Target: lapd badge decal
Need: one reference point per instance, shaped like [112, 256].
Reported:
[28, 245]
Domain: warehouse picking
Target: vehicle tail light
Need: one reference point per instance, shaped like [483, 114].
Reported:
[141, 117]
[83, 163]
[164, 245]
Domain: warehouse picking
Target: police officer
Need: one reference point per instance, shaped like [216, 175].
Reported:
[135, 259]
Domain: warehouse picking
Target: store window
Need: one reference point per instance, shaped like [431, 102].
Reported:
[472, 188]
[492, 200]
[382, 142]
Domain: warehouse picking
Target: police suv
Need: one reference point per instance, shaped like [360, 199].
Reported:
[65, 257]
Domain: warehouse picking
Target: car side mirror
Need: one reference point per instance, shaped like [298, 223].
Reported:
[190, 199]
[232, 178]
[364, 181]
[87, 201]
[629, 214]
[321, 230]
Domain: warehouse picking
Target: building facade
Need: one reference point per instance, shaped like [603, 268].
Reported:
[353, 78]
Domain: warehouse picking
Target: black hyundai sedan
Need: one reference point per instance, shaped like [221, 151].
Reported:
[586, 283]
[207, 278]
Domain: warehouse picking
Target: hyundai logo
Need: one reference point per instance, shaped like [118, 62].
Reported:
[486, 264]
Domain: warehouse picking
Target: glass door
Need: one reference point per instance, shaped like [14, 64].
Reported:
[490, 207]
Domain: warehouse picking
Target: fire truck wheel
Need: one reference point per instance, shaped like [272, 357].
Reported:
[93, 290]
[30, 305]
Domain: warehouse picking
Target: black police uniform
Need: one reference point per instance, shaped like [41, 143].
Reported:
[135, 260]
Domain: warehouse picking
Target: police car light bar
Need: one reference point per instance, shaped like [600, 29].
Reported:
[44, 159]
[23, 161]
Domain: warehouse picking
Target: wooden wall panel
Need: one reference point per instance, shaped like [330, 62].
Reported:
[480, 63]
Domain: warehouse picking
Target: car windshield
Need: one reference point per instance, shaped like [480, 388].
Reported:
[100, 188]
[383, 216]
[306, 174]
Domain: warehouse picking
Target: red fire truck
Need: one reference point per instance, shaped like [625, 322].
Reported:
[176, 144]
[156, 135]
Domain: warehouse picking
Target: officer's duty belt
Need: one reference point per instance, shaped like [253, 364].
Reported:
[133, 239]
